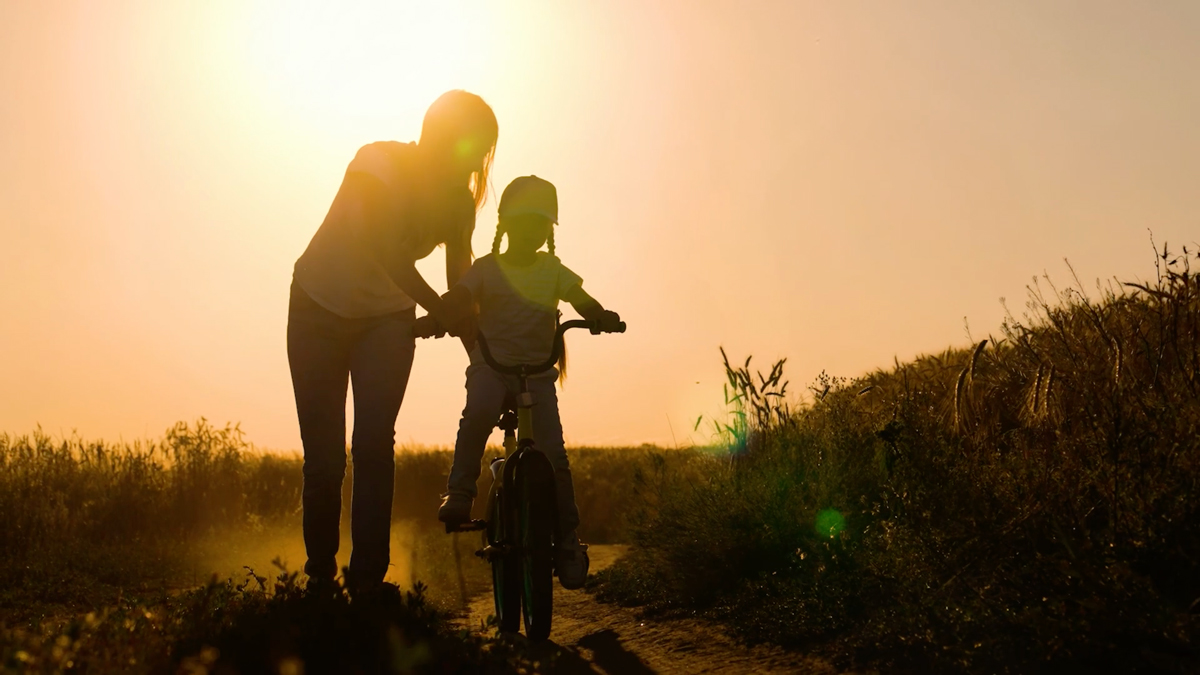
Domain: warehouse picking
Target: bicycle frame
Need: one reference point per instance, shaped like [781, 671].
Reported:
[523, 424]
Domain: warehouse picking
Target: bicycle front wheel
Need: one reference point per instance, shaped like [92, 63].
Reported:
[536, 520]
[506, 563]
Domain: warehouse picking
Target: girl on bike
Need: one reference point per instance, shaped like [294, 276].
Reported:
[518, 292]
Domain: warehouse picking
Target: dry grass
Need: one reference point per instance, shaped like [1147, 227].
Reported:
[124, 530]
[84, 522]
[1029, 503]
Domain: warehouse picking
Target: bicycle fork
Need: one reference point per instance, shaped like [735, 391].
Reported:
[518, 433]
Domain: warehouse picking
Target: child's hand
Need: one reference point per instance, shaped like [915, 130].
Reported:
[427, 326]
[610, 322]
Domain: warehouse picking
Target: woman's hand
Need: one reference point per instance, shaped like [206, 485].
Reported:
[456, 313]
[428, 327]
[464, 328]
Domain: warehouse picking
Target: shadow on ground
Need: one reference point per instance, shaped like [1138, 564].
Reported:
[608, 657]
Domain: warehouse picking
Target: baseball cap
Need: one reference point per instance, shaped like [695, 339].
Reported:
[530, 194]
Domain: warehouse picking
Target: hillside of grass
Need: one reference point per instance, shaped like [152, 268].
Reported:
[1028, 504]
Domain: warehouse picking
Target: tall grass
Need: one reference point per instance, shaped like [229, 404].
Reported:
[92, 534]
[1027, 503]
[83, 522]
[81, 519]
[75, 491]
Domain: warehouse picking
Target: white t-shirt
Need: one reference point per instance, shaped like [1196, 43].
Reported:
[518, 306]
[339, 270]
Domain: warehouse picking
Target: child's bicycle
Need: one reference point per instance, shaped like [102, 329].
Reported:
[522, 506]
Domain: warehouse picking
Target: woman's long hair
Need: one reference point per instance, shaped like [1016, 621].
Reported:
[462, 122]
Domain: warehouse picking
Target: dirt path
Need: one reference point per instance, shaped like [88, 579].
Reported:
[592, 637]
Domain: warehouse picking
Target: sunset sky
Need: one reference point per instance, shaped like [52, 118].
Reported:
[840, 183]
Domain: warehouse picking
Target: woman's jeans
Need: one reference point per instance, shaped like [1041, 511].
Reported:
[486, 390]
[376, 354]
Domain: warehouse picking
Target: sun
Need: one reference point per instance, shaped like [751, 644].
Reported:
[339, 63]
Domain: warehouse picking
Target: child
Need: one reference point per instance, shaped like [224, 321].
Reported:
[518, 293]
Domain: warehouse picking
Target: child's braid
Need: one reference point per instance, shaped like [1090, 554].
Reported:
[496, 241]
[550, 241]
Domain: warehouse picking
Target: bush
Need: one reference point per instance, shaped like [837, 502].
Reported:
[1027, 503]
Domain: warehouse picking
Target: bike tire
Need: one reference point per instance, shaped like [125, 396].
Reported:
[536, 522]
[506, 569]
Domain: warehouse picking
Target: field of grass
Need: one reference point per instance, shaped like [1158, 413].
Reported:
[127, 533]
[1028, 504]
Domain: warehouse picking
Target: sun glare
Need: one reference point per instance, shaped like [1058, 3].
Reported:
[331, 64]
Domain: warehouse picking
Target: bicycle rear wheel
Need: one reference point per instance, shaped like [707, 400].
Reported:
[506, 563]
[536, 519]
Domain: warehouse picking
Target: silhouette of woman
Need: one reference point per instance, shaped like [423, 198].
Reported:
[351, 314]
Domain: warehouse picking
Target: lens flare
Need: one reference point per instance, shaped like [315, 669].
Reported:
[830, 522]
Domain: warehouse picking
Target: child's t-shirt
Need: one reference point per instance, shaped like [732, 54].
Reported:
[518, 306]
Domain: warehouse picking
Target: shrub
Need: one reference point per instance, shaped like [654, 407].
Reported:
[1029, 502]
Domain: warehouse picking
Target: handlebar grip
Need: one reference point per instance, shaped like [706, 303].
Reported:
[595, 327]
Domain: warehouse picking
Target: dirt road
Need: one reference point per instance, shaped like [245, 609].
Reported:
[592, 637]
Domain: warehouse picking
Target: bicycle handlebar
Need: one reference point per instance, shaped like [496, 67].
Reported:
[555, 351]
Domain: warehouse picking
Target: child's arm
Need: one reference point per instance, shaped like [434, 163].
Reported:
[590, 309]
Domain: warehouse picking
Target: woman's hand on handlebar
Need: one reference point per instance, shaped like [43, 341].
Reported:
[427, 327]
[456, 313]
[452, 313]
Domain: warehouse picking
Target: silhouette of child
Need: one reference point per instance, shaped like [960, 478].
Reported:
[518, 292]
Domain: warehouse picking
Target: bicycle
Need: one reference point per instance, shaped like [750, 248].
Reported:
[521, 519]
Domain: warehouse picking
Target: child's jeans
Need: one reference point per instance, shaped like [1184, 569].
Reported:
[486, 390]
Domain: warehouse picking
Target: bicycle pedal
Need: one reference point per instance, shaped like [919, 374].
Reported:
[493, 552]
[468, 526]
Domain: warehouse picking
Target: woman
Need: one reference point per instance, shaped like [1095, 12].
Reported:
[351, 313]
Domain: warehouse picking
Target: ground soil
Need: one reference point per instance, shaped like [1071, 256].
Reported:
[593, 637]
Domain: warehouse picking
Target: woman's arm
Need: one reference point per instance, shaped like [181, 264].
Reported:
[458, 261]
[373, 213]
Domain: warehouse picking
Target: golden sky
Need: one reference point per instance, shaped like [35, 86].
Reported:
[839, 183]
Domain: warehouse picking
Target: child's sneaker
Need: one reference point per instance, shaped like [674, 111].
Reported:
[571, 562]
[456, 508]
